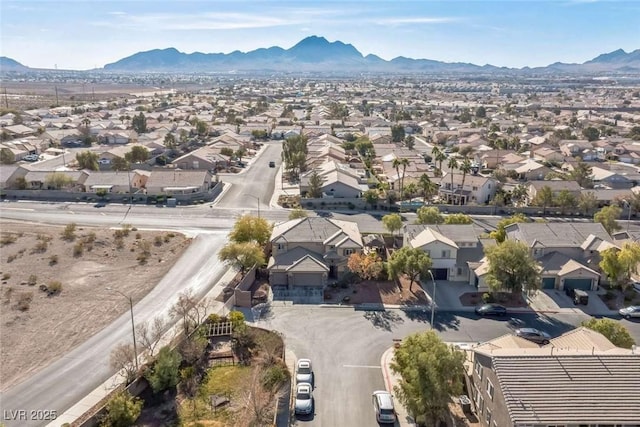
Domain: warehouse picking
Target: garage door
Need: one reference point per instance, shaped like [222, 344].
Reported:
[310, 280]
[548, 282]
[440, 273]
[584, 284]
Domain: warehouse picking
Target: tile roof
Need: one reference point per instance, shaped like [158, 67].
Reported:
[315, 229]
[555, 234]
[430, 235]
[570, 389]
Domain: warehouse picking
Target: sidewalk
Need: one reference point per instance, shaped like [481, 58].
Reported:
[282, 188]
[391, 380]
[87, 402]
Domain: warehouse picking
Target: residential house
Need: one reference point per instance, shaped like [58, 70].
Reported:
[530, 169]
[338, 181]
[113, 182]
[556, 186]
[450, 247]
[547, 154]
[206, 158]
[568, 253]
[609, 178]
[578, 379]
[170, 182]
[9, 174]
[578, 148]
[45, 180]
[477, 189]
[308, 252]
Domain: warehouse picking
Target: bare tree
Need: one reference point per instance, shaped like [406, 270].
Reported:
[257, 401]
[123, 359]
[149, 334]
[190, 310]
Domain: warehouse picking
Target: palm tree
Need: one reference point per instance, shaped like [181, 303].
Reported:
[410, 190]
[404, 163]
[452, 165]
[465, 168]
[427, 186]
[438, 156]
[396, 166]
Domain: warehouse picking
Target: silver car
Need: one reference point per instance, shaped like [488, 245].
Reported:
[383, 406]
[304, 372]
[304, 399]
[629, 312]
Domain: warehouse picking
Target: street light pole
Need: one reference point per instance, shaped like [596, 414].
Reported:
[258, 199]
[133, 325]
[433, 298]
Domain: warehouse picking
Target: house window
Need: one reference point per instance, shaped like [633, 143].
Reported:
[478, 367]
[446, 254]
[488, 416]
[348, 252]
[490, 390]
[474, 188]
[459, 272]
[281, 246]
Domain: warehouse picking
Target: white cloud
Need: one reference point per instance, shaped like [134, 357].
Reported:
[417, 20]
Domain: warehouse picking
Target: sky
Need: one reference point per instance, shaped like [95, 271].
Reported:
[86, 34]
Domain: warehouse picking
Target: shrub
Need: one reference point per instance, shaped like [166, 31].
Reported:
[53, 259]
[90, 238]
[6, 276]
[119, 241]
[118, 234]
[274, 377]
[41, 247]
[138, 236]
[78, 248]
[69, 232]
[24, 301]
[214, 318]
[12, 257]
[487, 297]
[33, 279]
[7, 239]
[126, 228]
[157, 241]
[54, 288]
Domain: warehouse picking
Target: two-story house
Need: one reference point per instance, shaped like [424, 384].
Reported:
[579, 379]
[450, 247]
[308, 252]
[476, 189]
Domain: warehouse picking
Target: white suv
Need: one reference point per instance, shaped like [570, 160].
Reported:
[383, 405]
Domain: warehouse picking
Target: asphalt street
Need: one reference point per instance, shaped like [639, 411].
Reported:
[346, 345]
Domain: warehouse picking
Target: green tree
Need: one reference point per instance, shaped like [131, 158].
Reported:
[582, 173]
[543, 198]
[431, 372]
[458, 218]
[315, 185]
[438, 156]
[6, 156]
[611, 266]
[613, 330]
[392, 222]
[429, 215]
[587, 202]
[411, 262]
[120, 164]
[465, 168]
[427, 187]
[249, 229]
[608, 217]
[139, 123]
[629, 257]
[397, 133]
[364, 146]
[452, 164]
[240, 153]
[410, 141]
[57, 180]
[242, 255]
[481, 112]
[165, 372]
[137, 154]
[512, 267]
[371, 197]
[591, 133]
[519, 194]
[122, 410]
[565, 200]
[294, 154]
[201, 128]
[87, 160]
[500, 233]
[170, 141]
[298, 213]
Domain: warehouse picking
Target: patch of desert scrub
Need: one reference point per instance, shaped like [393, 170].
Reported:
[157, 241]
[78, 249]
[118, 234]
[40, 247]
[24, 301]
[119, 242]
[43, 237]
[7, 239]
[69, 232]
[138, 236]
[53, 259]
[12, 257]
[90, 238]
[54, 287]
[6, 276]
[126, 228]
[33, 280]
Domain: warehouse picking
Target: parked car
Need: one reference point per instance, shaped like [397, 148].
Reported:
[629, 312]
[636, 286]
[31, 158]
[304, 399]
[104, 161]
[383, 405]
[535, 335]
[304, 372]
[272, 164]
[491, 310]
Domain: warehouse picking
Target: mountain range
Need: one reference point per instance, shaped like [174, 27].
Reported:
[317, 54]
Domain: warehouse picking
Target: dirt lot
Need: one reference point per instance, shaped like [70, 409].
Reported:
[384, 292]
[36, 319]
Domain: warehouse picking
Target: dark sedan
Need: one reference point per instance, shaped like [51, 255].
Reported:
[491, 310]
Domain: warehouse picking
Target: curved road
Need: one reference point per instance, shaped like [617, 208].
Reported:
[68, 379]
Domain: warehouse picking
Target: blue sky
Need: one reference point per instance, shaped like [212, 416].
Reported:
[84, 34]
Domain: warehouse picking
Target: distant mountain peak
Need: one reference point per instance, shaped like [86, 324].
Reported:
[615, 56]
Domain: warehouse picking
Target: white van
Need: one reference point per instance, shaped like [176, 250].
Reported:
[383, 405]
